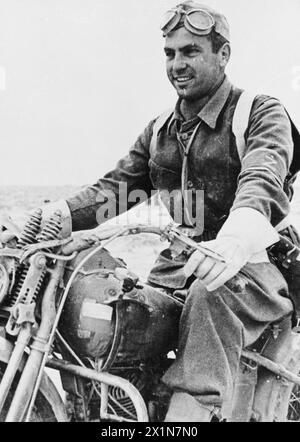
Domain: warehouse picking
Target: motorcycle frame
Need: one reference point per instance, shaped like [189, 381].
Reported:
[50, 392]
[47, 387]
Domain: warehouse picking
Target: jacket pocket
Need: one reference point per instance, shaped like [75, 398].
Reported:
[163, 178]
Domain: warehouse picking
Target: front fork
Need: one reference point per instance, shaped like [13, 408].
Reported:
[31, 375]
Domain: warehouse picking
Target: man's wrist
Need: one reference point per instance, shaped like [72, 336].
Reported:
[251, 228]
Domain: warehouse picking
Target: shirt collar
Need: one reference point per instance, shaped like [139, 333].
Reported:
[212, 109]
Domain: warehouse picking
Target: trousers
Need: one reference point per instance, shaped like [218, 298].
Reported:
[216, 326]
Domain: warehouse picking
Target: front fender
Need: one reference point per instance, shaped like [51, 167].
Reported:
[47, 387]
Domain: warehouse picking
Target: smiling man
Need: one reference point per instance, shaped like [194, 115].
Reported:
[195, 67]
[246, 202]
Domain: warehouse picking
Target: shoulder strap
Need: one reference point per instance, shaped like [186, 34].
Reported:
[159, 123]
[241, 119]
[239, 125]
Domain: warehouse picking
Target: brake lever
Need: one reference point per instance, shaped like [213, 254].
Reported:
[236, 284]
[197, 246]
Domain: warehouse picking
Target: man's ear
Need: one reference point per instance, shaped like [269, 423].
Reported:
[224, 54]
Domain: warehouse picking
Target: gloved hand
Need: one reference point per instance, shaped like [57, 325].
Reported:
[215, 273]
[243, 238]
[10, 227]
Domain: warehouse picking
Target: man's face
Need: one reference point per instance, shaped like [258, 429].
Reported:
[192, 67]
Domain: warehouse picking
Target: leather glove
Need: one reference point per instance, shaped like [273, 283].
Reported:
[243, 238]
[10, 226]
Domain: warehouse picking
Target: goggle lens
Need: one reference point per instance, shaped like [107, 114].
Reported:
[200, 20]
[170, 21]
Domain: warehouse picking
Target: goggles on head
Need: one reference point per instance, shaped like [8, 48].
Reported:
[197, 21]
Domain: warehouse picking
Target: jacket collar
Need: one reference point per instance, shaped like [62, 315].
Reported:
[212, 109]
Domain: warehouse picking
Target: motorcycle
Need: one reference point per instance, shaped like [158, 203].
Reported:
[68, 305]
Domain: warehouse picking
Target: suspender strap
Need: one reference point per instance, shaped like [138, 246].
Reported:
[240, 123]
[184, 172]
[159, 123]
[241, 120]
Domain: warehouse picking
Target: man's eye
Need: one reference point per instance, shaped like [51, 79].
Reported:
[191, 52]
[169, 54]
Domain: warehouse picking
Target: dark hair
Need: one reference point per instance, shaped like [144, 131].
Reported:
[217, 41]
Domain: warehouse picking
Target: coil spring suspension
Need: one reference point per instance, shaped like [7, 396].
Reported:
[49, 232]
[52, 228]
[26, 290]
[20, 278]
[31, 229]
[27, 236]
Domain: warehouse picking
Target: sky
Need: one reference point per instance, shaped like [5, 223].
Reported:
[81, 79]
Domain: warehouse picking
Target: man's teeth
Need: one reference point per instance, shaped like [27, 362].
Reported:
[182, 78]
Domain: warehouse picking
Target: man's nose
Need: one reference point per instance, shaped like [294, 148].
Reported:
[179, 63]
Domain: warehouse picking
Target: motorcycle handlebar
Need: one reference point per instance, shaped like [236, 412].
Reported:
[83, 240]
[86, 239]
[170, 232]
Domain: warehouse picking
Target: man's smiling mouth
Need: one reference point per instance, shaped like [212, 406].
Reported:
[182, 78]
